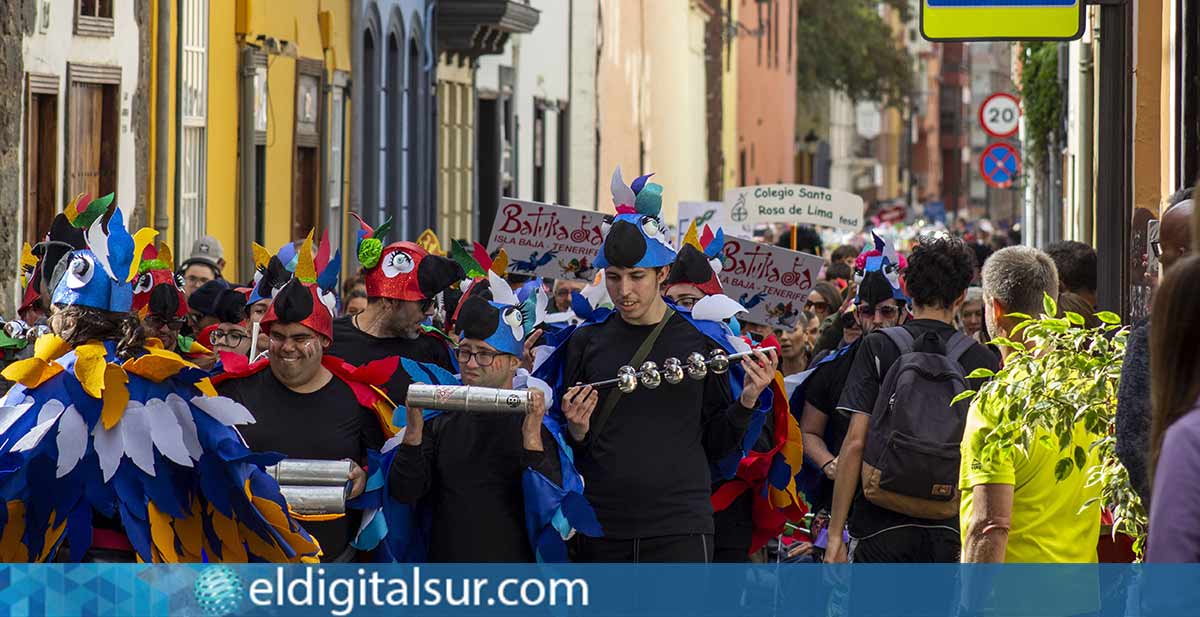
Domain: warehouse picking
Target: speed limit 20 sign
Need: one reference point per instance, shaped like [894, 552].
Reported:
[1000, 115]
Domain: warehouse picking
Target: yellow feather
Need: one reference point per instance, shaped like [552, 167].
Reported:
[162, 534]
[90, 365]
[692, 237]
[53, 533]
[141, 240]
[31, 372]
[257, 545]
[306, 269]
[500, 263]
[12, 549]
[50, 347]
[190, 533]
[156, 365]
[205, 387]
[232, 549]
[261, 256]
[116, 396]
[72, 209]
[428, 240]
[165, 256]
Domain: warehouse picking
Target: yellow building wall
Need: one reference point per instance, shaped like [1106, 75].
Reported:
[167, 141]
[729, 109]
[222, 187]
[1149, 86]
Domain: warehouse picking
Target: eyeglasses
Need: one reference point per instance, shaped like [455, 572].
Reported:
[231, 338]
[157, 323]
[817, 306]
[885, 311]
[482, 358]
[687, 302]
[426, 304]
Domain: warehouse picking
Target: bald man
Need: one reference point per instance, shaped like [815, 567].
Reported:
[1133, 394]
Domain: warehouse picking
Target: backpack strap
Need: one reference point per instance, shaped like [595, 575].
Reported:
[901, 337]
[957, 346]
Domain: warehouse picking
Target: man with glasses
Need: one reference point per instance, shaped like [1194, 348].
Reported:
[468, 468]
[309, 405]
[402, 282]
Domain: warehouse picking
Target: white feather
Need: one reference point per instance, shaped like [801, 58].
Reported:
[137, 444]
[597, 293]
[12, 413]
[501, 292]
[717, 307]
[621, 193]
[110, 445]
[224, 410]
[540, 305]
[34, 436]
[391, 444]
[739, 344]
[187, 425]
[97, 241]
[166, 433]
[72, 441]
[51, 410]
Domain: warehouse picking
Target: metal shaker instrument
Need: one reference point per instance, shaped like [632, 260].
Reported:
[313, 486]
[651, 376]
[469, 399]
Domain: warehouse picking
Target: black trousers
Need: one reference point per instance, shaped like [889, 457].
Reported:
[909, 545]
[688, 548]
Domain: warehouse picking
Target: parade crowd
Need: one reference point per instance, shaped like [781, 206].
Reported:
[152, 406]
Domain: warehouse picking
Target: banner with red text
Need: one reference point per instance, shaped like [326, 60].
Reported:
[771, 282]
[545, 240]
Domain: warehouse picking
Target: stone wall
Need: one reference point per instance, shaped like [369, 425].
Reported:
[16, 20]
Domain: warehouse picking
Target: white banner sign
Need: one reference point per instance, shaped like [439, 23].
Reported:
[711, 213]
[795, 204]
[771, 282]
[545, 240]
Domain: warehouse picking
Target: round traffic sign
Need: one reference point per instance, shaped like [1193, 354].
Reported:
[1000, 165]
[1000, 115]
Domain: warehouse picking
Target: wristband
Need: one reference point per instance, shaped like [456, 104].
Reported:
[828, 463]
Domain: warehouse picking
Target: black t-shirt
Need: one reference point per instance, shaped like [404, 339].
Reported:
[359, 348]
[822, 389]
[871, 363]
[470, 468]
[647, 471]
[328, 424]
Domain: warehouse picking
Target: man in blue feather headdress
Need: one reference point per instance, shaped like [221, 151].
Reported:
[647, 454]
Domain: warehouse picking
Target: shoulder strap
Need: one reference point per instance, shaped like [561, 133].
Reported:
[639, 357]
[901, 337]
[958, 345]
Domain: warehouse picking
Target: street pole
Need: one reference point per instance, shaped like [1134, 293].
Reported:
[1114, 201]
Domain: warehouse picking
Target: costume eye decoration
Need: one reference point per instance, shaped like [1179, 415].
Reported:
[398, 263]
[145, 283]
[80, 272]
[651, 227]
[178, 281]
[512, 317]
[892, 272]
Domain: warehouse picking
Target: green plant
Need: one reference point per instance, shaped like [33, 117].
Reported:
[1059, 375]
[1041, 96]
[846, 46]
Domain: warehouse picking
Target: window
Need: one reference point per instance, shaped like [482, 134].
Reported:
[335, 162]
[41, 155]
[94, 18]
[539, 150]
[306, 164]
[93, 120]
[371, 204]
[564, 162]
[190, 218]
[394, 146]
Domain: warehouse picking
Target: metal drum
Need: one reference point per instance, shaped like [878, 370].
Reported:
[311, 472]
[468, 398]
[316, 499]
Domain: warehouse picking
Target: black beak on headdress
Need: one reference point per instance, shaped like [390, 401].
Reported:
[435, 273]
[625, 245]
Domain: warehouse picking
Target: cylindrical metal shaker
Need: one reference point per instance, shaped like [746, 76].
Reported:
[468, 398]
[311, 472]
[315, 499]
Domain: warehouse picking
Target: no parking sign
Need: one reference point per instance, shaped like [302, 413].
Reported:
[1000, 165]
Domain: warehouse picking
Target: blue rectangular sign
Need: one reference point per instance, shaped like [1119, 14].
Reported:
[1000, 3]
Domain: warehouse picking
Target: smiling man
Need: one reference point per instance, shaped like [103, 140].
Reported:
[307, 404]
[646, 454]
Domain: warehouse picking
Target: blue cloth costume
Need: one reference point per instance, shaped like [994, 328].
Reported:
[141, 440]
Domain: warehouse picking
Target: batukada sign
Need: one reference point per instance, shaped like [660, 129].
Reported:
[795, 204]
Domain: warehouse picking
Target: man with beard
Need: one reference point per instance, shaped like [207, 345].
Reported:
[402, 281]
[309, 405]
[646, 454]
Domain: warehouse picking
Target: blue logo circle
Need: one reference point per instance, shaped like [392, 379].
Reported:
[218, 591]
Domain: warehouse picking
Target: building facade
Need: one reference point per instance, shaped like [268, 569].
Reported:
[766, 101]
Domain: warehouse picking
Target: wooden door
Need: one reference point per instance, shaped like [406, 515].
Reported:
[304, 192]
[85, 125]
[41, 156]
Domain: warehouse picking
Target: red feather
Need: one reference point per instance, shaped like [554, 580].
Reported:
[323, 252]
[706, 236]
[481, 255]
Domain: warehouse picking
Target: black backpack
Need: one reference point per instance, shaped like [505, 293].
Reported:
[911, 458]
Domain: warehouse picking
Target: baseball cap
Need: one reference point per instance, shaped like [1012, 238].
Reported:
[206, 250]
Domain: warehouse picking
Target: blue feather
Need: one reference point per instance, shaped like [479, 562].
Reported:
[639, 182]
[329, 276]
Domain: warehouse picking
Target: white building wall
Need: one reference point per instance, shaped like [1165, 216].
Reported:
[49, 50]
[583, 113]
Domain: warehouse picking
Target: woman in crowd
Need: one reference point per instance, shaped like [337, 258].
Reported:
[1175, 421]
[824, 300]
[796, 344]
[970, 315]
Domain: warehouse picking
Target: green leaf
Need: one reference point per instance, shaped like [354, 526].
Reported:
[1064, 440]
[981, 373]
[1080, 457]
[1109, 317]
[964, 395]
[1018, 316]
[1049, 305]
[1063, 468]
[1075, 318]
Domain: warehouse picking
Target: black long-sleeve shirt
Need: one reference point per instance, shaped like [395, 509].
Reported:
[647, 470]
[359, 348]
[470, 467]
[328, 424]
